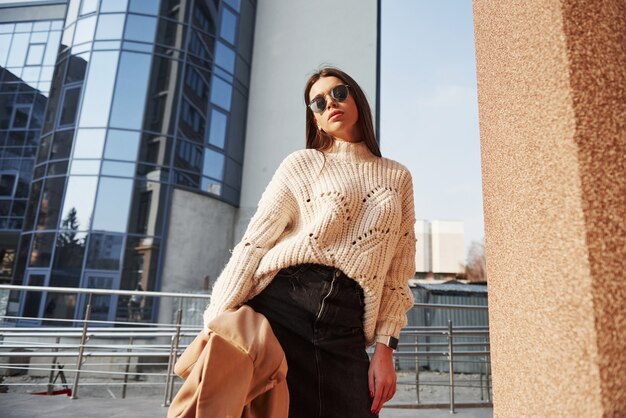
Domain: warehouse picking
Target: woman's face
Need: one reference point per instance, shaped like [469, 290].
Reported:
[339, 119]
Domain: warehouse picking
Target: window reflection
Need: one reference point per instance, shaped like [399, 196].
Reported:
[221, 93]
[78, 202]
[89, 143]
[41, 253]
[85, 167]
[112, 206]
[140, 28]
[98, 92]
[211, 186]
[19, 46]
[121, 145]
[50, 203]
[228, 26]
[77, 66]
[149, 7]
[61, 144]
[70, 106]
[35, 54]
[130, 91]
[113, 5]
[188, 155]
[217, 133]
[117, 168]
[104, 251]
[233, 3]
[84, 30]
[145, 213]
[141, 257]
[224, 57]
[213, 164]
[89, 6]
[110, 26]
[32, 300]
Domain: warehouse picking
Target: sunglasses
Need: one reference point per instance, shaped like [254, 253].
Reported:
[338, 93]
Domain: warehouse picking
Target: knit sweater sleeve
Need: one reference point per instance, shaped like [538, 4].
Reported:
[275, 211]
[397, 297]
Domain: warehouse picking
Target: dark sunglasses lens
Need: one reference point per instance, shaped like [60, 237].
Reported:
[340, 93]
[318, 105]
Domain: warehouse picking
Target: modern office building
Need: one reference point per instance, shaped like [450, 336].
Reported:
[136, 136]
[440, 248]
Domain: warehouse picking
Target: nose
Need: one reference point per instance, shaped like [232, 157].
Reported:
[330, 102]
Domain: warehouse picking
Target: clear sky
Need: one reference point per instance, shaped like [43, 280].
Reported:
[429, 110]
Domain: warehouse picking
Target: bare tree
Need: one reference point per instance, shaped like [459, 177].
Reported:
[475, 270]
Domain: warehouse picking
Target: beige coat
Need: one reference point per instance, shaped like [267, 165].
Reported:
[236, 370]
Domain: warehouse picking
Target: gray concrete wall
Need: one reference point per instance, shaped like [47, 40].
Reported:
[291, 40]
[199, 238]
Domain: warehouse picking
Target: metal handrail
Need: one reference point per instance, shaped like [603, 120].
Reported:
[16, 338]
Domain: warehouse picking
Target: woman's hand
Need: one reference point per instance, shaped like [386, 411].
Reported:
[381, 377]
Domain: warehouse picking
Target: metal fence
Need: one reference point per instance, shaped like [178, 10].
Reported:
[118, 351]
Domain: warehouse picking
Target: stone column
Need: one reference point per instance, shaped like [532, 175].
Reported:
[552, 106]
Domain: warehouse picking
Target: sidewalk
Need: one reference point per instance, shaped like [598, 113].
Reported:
[14, 405]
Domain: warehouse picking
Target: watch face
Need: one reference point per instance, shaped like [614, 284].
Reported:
[393, 342]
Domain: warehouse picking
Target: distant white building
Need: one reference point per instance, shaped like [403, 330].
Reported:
[440, 250]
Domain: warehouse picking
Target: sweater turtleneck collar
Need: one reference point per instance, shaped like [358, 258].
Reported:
[350, 151]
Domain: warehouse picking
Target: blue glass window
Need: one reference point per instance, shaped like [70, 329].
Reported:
[85, 167]
[5, 43]
[121, 145]
[41, 26]
[78, 202]
[235, 4]
[130, 91]
[19, 47]
[225, 57]
[217, 132]
[98, 92]
[114, 195]
[89, 143]
[89, 6]
[84, 30]
[228, 26]
[35, 54]
[149, 7]
[118, 168]
[70, 106]
[213, 164]
[52, 48]
[110, 26]
[104, 251]
[113, 5]
[221, 93]
[140, 28]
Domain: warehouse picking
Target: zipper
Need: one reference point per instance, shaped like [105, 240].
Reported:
[330, 291]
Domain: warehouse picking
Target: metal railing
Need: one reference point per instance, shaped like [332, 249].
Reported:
[112, 344]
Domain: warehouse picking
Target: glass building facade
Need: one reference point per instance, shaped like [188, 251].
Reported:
[103, 113]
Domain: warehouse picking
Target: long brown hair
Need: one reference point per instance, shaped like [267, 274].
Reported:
[320, 140]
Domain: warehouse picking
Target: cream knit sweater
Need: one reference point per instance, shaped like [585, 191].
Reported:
[356, 214]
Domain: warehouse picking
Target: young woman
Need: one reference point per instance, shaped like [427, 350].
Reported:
[327, 257]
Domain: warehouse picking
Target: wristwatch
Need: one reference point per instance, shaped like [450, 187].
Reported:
[388, 340]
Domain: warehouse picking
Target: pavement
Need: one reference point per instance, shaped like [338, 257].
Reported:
[14, 405]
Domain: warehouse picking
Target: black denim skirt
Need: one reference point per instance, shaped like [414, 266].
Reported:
[316, 312]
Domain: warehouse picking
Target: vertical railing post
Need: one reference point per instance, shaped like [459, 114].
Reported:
[53, 367]
[488, 371]
[127, 368]
[451, 365]
[179, 317]
[417, 368]
[168, 373]
[81, 348]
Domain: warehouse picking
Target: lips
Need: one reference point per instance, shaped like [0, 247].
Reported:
[334, 114]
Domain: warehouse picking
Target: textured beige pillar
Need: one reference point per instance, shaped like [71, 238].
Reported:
[552, 106]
